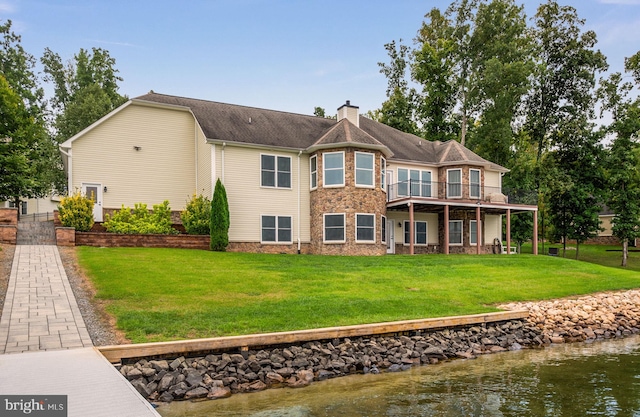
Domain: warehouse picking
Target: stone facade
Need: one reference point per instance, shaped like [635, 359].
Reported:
[466, 216]
[442, 180]
[257, 247]
[348, 200]
[65, 236]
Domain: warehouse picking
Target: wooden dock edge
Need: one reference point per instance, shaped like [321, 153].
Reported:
[116, 353]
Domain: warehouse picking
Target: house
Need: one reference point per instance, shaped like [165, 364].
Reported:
[295, 183]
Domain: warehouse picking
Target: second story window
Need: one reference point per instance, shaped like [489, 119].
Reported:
[364, 169]
[414, 182]
[333, 169]
[474, 183]
[275, 171]
[313, 171]
[454, 183]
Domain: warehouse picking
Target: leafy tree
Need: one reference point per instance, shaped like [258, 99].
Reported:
[433, 69]
[398, 110]
[623, 165]
[85, 89]
[564, 75]
[17, 67]
[29, 161]
[319, 112]
[219, 223]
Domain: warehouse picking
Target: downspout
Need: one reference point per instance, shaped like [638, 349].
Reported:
[195, 144]
[299, 210]
[69, 181]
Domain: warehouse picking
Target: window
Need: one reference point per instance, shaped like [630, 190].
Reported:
[313, 168]
[365, 228]
[334, 228]
[418, 181]
[473, 232]
[455, 232]
[364, 169]
[276, 171]
[419, 232]
[383, 230]
[383, 173]
[276, 229]
[474, 183]
[23, 208]
[454, 183]
[333, 169]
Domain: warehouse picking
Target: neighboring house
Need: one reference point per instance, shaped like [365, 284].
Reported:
[35, 208]
[295, 183]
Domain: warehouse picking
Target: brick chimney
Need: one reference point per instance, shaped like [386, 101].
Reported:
[349, 112]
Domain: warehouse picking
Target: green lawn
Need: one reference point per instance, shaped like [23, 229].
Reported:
[169, 294]
[597, 254]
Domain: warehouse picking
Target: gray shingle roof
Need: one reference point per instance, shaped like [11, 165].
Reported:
[250, 125]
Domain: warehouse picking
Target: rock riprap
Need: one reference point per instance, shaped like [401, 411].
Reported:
[219, 375]
[598, 316]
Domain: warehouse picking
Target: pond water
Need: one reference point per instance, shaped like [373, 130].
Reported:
[598, 379]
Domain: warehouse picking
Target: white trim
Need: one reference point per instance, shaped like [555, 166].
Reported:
[373, 169]
[447, 183]
[324, 170]
[311, 186]
[324, 228]
[276, 172]
[479, 183]
[383, 173]
[99, 203]
[373, 227]
[461, 232]
[277, 228]
[474, 235]
[383, 229]
[415, 233]
[214, 177]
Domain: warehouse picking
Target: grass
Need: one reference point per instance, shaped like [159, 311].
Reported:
[170, 294]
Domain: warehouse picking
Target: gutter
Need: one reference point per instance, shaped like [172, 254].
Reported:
[69, 170]
[299, 186]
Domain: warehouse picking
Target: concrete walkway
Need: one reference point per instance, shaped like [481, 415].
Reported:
[40, 311]
[48, 350]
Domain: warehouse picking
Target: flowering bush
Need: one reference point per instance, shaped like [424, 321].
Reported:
[76, 211]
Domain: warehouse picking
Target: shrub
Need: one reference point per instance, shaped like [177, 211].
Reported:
[140, 220]
[219, 226]
[76, 211]
[196, 216]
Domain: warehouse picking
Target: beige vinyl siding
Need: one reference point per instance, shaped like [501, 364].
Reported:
[163, 168]
[492, 179]
[248, 200]
[492, 228]
[203, 159]
[605, 223]
[430, 218]
[434, 175]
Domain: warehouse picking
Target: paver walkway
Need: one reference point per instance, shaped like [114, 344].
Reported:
[40, 311]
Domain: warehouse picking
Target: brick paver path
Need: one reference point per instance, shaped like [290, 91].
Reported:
[40, 311]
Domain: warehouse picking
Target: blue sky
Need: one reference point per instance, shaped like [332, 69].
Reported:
[276, 54]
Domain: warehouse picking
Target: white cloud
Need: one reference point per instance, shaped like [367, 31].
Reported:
[127, 44]
[6, 7]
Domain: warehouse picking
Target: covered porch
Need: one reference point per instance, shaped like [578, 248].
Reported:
[464, 226]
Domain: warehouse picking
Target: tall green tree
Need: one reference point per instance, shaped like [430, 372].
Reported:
[503, 65]
[18, 69]
[623, 167]
[564, 75]
[219, 223]
[29, 160]
[398, 110]
[85, 89]
[432, 68]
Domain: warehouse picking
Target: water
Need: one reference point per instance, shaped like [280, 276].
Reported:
[597, 379]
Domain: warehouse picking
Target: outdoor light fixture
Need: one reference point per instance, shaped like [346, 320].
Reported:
[137, 148]
[105, 189]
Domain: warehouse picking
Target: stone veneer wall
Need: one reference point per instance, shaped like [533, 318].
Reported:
[466, 216]
[142, 241]
[257, 247]
[348, 200]
[442, 180]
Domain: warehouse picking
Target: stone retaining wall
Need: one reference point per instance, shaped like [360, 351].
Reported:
[145, 241]
[8, 225]
[220, 375]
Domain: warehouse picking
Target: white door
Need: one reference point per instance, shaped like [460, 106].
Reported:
[94, 192]
[391, 239]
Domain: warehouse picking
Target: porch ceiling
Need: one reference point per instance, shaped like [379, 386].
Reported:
[423, 205]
